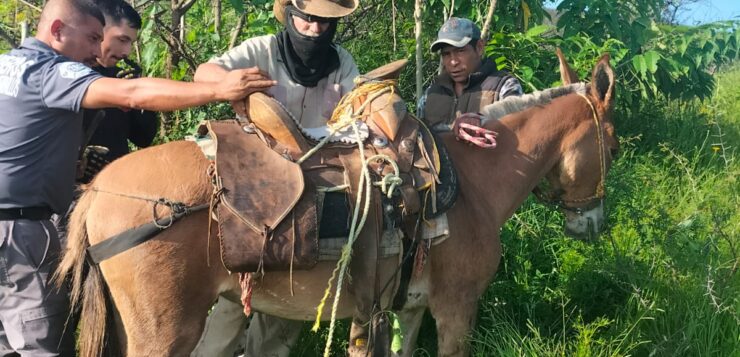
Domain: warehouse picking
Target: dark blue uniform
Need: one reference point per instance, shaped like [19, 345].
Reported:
[40, 131]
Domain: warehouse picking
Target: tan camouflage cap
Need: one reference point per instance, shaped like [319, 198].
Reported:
[322, 8]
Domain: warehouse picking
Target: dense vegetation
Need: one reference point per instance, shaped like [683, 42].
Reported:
[663, 281]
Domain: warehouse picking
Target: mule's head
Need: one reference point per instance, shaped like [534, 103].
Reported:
[587, 152]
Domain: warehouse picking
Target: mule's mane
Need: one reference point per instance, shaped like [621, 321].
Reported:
[504, 107]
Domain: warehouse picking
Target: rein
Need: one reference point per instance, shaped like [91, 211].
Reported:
[555, 199]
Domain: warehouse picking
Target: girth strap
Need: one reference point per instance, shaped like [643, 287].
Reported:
[133, 237]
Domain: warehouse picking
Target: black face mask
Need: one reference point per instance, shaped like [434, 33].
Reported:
[308, 59]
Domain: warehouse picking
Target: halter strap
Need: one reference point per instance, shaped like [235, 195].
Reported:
[600, 192]
[548, 197]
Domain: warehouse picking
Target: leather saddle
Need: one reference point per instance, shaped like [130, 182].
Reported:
[269, 206]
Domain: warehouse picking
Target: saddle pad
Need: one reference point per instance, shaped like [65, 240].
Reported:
[390, 245]
[266, 220]
[447, 189]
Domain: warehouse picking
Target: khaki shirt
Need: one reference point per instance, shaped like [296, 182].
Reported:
[310, 106]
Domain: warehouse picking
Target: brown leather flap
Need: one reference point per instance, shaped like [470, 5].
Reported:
[260, 186]
[294, 240]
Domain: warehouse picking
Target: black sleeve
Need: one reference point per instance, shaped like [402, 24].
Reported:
[143, 126]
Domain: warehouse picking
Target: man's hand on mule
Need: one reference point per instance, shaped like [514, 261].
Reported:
[468, 118]
[467, 128]
[240, 83]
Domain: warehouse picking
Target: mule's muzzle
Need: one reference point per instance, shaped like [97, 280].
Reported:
[585, 224]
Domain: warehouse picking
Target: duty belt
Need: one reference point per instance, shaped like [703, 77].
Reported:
[30, 213]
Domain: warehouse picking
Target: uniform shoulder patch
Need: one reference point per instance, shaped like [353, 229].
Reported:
[73, 70]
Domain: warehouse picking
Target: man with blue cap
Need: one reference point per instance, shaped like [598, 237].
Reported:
[469, 80]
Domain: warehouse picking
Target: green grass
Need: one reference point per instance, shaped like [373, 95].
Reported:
[662, 281]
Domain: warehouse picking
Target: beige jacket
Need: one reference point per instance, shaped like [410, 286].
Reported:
[311, 106]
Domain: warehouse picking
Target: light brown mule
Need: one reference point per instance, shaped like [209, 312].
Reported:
[161, 290]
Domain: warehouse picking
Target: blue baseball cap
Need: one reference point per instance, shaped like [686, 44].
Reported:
[456, 32]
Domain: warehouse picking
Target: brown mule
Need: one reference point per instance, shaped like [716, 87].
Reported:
[161, 290]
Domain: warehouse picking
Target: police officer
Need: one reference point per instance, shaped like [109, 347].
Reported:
[43, 87]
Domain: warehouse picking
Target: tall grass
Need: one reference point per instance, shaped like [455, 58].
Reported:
[663, 281]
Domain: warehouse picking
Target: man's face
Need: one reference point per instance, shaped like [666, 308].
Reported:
[460, 62]
[79, 39]
[117, 41]
[311, 29]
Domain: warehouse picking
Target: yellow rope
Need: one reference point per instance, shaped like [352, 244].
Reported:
[342, 117]
[355, 229]
[393, 179]
[342, 112]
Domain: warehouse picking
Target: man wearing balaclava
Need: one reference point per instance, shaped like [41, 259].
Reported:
[303, 59]
[312, 74]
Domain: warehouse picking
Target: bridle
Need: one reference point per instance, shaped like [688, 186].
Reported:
[555, 199]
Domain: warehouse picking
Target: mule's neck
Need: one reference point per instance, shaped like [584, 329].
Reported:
[529, 145]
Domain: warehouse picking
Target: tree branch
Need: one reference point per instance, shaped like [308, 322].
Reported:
[184, 6]
[174, 43]
[419, 56]
[237, 30]
[31, 5]
[8, 38]
[487, 24]
[142, 6]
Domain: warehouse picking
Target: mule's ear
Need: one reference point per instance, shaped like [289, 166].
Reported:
[567, 75]
[602, 82]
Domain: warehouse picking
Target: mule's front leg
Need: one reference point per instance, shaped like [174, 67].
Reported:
[454, 323]
[410, 321]
[453, 302]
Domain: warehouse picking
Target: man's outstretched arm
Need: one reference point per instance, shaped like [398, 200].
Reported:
[163, 95]
[210, 72]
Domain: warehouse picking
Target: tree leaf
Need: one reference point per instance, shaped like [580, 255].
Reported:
[537, 30]
[638, 62]
[238, 5]
[651, 60]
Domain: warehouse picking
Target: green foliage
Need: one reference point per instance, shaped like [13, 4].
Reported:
[630, 21]
[671, 60]
[530, 55]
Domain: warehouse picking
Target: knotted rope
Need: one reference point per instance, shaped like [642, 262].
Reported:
[343, 115]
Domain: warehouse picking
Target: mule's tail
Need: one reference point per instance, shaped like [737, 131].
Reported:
[86, 286]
